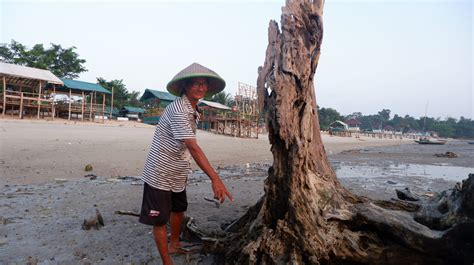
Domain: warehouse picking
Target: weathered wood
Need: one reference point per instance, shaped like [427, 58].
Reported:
[90, 109]
[127, 213]
[306, 216]
[53, 104]
[82, 106]
[39, 98]
[20, 114]
[103, 107]
[112, 103]
[4, 96]
[69, 107]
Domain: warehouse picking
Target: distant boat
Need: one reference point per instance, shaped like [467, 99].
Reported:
[426, 140]
[472, 142]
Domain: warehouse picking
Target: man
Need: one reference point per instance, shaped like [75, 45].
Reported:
[167, 165]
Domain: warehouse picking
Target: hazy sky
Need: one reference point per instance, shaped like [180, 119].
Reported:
[375, 54]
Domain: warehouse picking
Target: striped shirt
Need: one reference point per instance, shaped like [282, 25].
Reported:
[167, 165]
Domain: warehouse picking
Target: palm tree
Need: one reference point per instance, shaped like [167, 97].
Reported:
[222, 97]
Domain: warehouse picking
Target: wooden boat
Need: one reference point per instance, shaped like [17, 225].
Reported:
[427, 140]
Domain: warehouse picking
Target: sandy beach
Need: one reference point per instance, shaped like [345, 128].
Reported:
[45, 197]
[36, 151]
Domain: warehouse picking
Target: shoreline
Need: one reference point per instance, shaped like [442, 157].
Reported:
[40, 151]
[42, 219]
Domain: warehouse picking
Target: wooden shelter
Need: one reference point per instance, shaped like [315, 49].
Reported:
[154, 98]
[132, 113]
[155, 102]
[81, 100]
[24, 90]
[212, 115]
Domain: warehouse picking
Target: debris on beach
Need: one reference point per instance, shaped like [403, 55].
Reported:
[91, 176]
[132, 178]
[88, 167]
[215, 201]
[407, 195]
[94, 222]
[447, 154]
[127, 213]
[60, 180]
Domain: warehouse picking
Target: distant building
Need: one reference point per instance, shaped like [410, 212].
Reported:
[132, 113]
[155, 102]
[388, 129]
[353, 125]
[338, 126]
[211, 114]
[156, 99]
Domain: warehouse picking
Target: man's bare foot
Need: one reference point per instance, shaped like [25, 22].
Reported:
[177, 249]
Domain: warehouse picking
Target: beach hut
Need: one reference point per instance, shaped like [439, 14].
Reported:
[23, 90]
[156, 99]
[155, 102]
[132, 113]
[211, 112]
[338, 126]
[114, 113]
[81, 99]
[353, 125]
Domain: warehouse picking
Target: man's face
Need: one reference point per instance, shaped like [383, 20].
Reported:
[197, 89]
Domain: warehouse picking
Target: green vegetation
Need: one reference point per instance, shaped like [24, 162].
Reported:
[121, 95]
[328, 115]
[63, 62]
[449, 127]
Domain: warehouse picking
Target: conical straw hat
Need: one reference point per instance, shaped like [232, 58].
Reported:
[215, 83]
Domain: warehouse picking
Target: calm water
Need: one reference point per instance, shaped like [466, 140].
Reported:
[407, 160]
[446, 172]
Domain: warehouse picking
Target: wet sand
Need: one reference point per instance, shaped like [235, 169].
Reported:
[35, 151]
[45, 198]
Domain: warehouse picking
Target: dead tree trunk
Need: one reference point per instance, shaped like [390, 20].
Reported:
[306, 216]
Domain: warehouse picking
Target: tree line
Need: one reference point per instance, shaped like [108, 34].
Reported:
[66, 63]
[449, 127]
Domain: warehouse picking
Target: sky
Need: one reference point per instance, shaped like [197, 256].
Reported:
[408, 56]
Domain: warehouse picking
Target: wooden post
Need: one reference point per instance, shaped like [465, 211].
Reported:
[112, 103]
[90, 109]
[103, 107]
[53, 108]
[70, 98]
[39, 99]
[4, 96]
[21, 106]
[82, 108]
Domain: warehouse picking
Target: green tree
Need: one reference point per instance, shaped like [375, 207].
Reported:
[464, 128]
[443, 129]
[133, 99]
[121, 94]
[63, 62]
[384, 115]
[327, 116]
[221, 97]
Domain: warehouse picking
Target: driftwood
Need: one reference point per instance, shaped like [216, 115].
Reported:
[127, 213]
[306, 216]
[447, 155]
[95, 221]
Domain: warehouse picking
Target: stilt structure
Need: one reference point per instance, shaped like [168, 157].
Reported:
[82, 100]
[24, 90]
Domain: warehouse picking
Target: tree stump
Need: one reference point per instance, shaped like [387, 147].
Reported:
[306, 216]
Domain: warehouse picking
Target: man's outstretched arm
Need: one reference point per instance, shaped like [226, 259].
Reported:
[220, 191]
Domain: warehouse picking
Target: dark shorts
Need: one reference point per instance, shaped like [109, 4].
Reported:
[157, 205]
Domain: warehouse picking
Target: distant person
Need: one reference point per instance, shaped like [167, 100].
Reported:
[167, 166]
